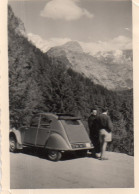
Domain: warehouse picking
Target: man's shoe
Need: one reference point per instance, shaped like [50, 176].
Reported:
[98, 155]
[103, 158]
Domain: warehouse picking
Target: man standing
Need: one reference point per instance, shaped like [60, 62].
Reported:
[105, 131]
[94, 132]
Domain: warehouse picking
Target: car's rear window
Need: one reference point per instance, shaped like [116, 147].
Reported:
[45, 121]
[72, 122]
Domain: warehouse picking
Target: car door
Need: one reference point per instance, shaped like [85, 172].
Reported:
[31, 132]
[43, 131]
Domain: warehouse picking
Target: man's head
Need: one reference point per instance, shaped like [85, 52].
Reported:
[94, 111]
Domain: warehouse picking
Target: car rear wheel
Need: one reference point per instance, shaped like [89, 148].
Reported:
[13, 144]
[54, 155]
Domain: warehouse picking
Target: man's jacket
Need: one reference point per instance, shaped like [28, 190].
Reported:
[92, 124]
[104, 122]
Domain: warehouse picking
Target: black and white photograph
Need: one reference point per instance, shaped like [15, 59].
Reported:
[70, 83]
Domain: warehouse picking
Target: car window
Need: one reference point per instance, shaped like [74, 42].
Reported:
[45, 121]
[72, 122]
[35, 121]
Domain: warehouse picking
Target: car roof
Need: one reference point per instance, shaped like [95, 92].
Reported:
[60, 116]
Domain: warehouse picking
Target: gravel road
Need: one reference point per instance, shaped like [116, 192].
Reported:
[34, 171]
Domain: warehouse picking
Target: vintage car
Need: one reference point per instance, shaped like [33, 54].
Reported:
[57, 133]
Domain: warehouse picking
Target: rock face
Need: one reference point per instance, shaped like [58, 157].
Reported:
[112, 70]
[73, 46]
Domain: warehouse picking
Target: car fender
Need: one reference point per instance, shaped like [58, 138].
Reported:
[17, 135]
[57, 142]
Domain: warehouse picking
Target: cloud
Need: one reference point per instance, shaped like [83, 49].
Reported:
[64, 9]
[117, 43]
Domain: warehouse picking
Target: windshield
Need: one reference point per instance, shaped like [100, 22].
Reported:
[76, 131]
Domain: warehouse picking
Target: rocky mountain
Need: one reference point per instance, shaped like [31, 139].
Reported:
[112, 70]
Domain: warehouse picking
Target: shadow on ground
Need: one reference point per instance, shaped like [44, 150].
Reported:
[36, 152]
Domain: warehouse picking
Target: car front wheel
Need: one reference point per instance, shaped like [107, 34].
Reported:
[13, 143]
[54, 155]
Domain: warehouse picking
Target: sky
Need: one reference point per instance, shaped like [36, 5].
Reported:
[95, 24]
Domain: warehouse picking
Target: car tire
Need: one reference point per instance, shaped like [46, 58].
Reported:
[54, 155]
[13, 144]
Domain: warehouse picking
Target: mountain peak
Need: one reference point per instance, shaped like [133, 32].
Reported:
[73, 46]
[67, 49]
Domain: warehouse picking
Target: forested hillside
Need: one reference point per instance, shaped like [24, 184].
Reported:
[38, 84]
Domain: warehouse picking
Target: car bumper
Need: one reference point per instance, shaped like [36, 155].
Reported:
[79, 146]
